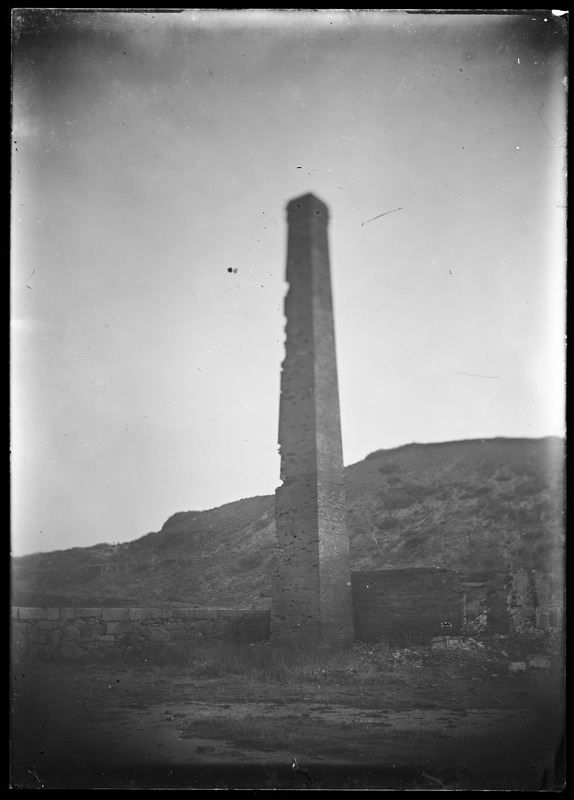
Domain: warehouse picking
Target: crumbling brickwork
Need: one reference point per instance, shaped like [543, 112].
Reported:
[486, 602]
[312, 588]
[535, 600]
[497, 613]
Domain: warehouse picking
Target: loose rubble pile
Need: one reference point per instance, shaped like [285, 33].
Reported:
[512, 654]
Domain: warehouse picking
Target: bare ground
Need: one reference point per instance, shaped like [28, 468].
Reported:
[405, 719]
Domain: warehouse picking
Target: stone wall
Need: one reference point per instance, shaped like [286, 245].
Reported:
[497, 611]
[402, 605]
[406, 605]
[485, 602]
[81, 632]
[534, 600]
[397, 605]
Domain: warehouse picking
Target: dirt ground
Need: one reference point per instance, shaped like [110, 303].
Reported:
[424, 719]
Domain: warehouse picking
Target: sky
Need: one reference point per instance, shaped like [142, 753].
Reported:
[153, 155]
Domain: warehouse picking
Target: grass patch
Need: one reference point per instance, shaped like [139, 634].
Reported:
[265, 661]
[268, 661]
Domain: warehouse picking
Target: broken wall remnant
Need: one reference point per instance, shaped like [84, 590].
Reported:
[497, 614]
[535, 599]
[402, 605]
[474, 612]
[312, 586]
[405, 605]
[485, 602]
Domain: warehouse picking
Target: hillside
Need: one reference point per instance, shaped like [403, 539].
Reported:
[467, 505]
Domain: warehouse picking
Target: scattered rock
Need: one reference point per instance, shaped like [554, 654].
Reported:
[455, 643]
[539, 662]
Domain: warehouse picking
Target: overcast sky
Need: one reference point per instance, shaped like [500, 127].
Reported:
[153, 152]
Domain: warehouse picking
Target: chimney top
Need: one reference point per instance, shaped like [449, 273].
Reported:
[305, 206]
